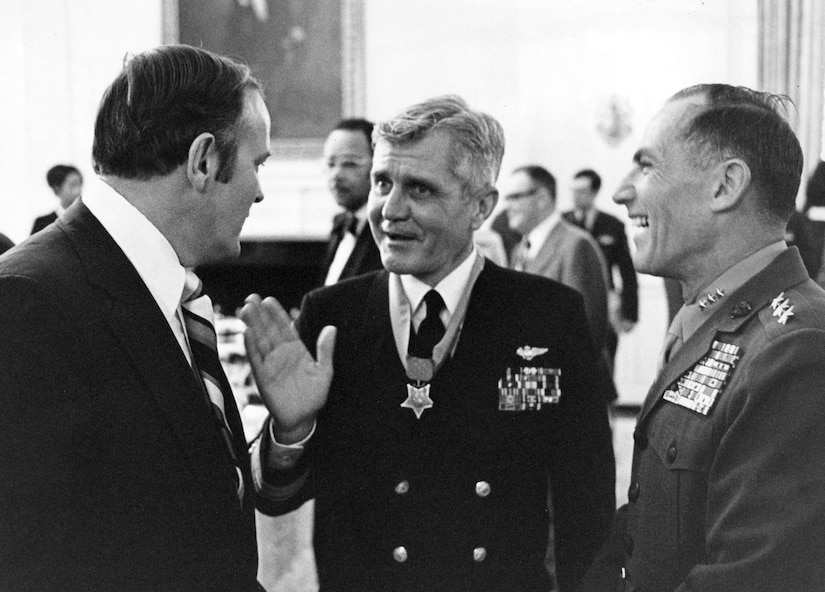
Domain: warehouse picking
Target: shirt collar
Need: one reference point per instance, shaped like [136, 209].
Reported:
[450, 288]
[539, 234]
[143, 244]
[736, 275]
[701, 306]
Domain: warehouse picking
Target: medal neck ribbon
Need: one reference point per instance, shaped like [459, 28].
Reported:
[421, 370]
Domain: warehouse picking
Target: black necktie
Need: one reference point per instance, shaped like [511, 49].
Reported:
[341, 224]
[431, 329]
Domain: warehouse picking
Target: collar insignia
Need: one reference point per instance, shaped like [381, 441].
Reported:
[782, 308]
[741, 309]
[528, 352]
[711, 298]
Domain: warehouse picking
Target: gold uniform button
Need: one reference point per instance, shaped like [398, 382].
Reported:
[402, 487]
[479, 554]
[482, 489]
[399, 554]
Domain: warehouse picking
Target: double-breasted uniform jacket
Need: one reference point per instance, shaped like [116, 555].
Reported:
[733, 499]
[114, 474]
[609, 232]
[455, 500]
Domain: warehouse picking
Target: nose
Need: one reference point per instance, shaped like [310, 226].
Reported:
[395, 206]
[626, 191]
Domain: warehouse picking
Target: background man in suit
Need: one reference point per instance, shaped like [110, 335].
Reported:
[553, 248]
[67, 184]
[347, 160]
[727, 481]
[118, 473]
[608, 231]
[430, 453]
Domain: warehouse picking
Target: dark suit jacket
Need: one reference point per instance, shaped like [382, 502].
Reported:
[734, 500]
[383, 479]
[364, 258]
[114, 475]
[42, 221]
[609, 233]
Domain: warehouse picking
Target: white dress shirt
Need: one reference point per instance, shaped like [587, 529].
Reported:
[147, 249]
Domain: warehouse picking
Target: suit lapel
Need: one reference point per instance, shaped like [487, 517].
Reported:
[547, 253]
[784, 272]
[137, 323]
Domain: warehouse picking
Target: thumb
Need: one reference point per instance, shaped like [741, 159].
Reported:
[325, 346]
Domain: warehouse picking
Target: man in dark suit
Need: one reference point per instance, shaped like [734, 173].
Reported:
[608, 231]
[727, 482]
[118, 472]
[67, 184]
[347, 160]
[456, 388]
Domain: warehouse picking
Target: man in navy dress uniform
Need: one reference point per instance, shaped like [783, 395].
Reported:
[456, 388]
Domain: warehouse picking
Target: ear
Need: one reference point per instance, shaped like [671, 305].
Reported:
[734, 180]
[203, 162]
[485, 204]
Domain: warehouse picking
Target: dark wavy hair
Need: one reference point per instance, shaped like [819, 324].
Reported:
[541, 176]
[58, 173]
[743, 123]
[357, 124]
[160, 102]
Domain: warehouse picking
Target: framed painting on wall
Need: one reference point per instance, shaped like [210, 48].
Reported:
[309, 55]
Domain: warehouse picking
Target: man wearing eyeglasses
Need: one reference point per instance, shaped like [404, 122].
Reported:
[554, 248]
[347, 160]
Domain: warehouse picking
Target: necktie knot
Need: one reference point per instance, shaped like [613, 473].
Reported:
[522, 254]
[431, 329]
[192, 287]
[344, 222]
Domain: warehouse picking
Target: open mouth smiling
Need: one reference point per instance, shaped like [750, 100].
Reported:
[640, 221]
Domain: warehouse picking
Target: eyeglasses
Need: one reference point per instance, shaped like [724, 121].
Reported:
[514, 196]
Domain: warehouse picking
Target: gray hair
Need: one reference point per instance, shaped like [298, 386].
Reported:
[477, 138]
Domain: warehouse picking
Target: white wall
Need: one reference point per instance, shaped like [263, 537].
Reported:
[58, 57]
[545, 68]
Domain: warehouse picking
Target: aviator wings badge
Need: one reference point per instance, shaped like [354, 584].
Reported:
[528, 352]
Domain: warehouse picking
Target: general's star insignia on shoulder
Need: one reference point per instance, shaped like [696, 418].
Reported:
[528, 352]
[782, 308]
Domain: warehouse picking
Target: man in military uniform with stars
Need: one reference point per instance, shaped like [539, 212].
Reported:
[728, 481]
[455, 390]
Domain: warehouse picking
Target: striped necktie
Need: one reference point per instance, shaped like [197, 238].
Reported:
[198, 317]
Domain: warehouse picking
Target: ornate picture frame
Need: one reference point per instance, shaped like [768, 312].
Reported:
[309, 54]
